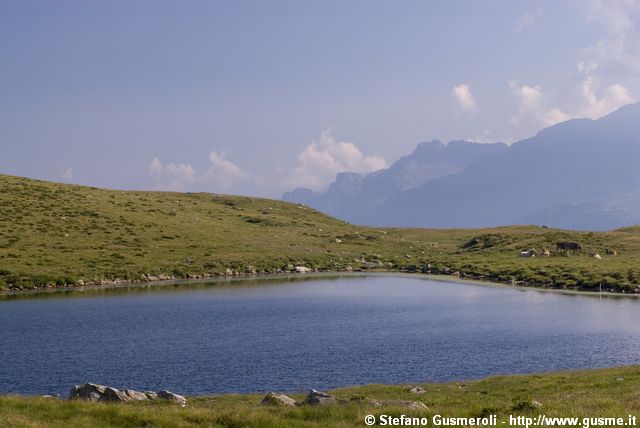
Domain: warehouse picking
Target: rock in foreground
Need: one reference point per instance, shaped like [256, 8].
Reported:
[319, 398]
[102, 393]
[275, 399]
[168, 395]
[417, 390]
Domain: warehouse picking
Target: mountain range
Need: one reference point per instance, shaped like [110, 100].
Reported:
[579, 174]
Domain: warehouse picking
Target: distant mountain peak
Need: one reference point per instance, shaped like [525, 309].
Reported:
[578, 174]
[351, 193]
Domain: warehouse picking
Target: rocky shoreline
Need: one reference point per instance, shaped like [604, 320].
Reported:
[319, 398]
[444, 273]
[102, 394]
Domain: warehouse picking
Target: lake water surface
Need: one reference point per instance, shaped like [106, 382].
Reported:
[290, 335]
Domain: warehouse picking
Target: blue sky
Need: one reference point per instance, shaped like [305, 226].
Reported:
[259, 97]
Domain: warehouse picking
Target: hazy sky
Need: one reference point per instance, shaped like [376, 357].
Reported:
[259, 97]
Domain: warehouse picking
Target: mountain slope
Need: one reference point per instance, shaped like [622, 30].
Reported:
[578, 174]
[353, 195]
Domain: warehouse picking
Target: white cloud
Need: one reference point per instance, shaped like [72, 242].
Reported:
[620, 47]
[68, 174]
[181, 173]
[173, 177]
[485, 136]
[554, 115]
[607, 75]
[532, 106]
[464, 98]
[320, 161]
[317, 165]
[527, 20]
[600, 102]
[613, 61]
[221, 174]
[593, 102]
[155, 168]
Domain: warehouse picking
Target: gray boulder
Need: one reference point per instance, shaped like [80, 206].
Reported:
[168, 395]
[416, 390]
[112, 394]
[319, 398]
[88, 392]
[102, 393]
[135, 395]
[98, 393]
[275, 399]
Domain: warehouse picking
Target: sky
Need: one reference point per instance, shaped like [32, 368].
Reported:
[260, 97]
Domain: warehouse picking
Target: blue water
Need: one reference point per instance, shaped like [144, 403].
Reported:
[292, 335]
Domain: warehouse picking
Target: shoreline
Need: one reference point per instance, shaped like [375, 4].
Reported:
[243, 277]
[404, 385]
[570, 395]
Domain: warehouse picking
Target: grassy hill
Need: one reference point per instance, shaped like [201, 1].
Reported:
[582, 394]
[55, 234]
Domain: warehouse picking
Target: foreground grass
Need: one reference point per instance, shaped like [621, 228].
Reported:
[593, 393]
[58, 234]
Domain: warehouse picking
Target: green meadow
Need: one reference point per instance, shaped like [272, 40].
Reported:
[54, 235]
[592, 394]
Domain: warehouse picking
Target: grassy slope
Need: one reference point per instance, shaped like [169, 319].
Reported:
[595, 393]
[58, 233]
